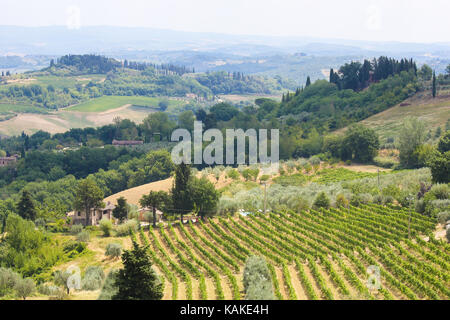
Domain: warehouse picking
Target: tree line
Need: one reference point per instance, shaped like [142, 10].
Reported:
[358, 76]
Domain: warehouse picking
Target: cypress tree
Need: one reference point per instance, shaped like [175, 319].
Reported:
[137, 280]
[433, 89]
[25, 207]
[308, 82]
[182, 201]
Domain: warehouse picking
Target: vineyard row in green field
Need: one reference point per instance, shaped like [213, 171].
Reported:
[347, 253]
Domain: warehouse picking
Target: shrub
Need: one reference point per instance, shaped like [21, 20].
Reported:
[348, 162]
[261, 290]
[420, 206]
[83, 236]
[25, 287]
[387, 163]
[257, 280]
[341, 201]
[113, 250]
[322, 201]
[233, 174]
[378, 199]
[125, 229]
[106, 227]
[440, 191]
[443, 217]
[74, 246]
[358, 199]
[8, 280]
[48, 290]
[76, 229]
[314, 161]
[93, 278]
[109, 288]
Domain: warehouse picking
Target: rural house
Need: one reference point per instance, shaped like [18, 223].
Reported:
[143, 212]
[5, 161]
[97, 214]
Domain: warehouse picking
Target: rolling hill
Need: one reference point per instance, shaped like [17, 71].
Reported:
[435, 113]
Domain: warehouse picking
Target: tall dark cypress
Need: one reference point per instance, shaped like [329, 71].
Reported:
[434, 89]
[308, 82]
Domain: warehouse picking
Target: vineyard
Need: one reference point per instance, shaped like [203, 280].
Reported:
[311, 255]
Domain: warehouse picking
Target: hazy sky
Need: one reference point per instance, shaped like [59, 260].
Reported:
[401, 20]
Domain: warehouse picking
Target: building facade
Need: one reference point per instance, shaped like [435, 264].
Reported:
[96, 215]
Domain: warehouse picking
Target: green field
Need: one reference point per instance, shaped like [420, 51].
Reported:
[6, 108]
[106, 103]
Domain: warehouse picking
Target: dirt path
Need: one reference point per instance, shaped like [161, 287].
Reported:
[312, 280]
[280, 278]
[301, 295]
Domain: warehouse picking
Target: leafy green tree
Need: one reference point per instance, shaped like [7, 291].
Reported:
[444, 143]
[257, 280]
[88, 196]
[120, 212]
[204, 196]
[26, 207]
[425, 72]
[157, 123]
[350, 75]
[181, 199]
[360, 144]
[137, 280]
[224, 111]
[25, 288]
[412, 135]
[106, 227]
[186, 120]
[155, 200]
[439, 164]
[113, 250]
[322, 201]
[439, 161]
[61, 278]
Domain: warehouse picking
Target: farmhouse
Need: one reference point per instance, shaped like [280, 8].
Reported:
[127, 142]
[144, 211]
[5, 161]
[97, 214]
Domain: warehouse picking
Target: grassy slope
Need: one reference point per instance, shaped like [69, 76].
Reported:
[435, 112]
